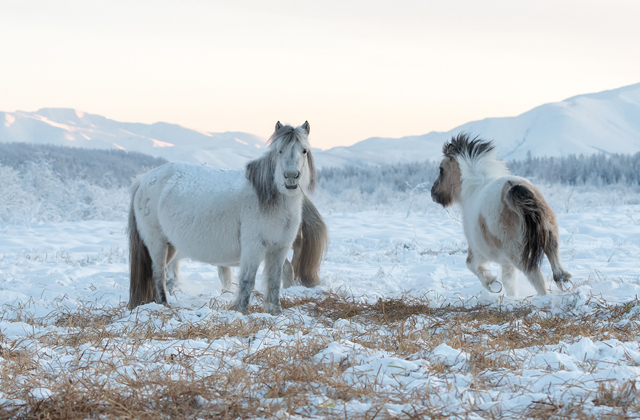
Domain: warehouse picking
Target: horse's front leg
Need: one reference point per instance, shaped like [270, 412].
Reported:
[273, 267]
[249, 263]
[477, 264]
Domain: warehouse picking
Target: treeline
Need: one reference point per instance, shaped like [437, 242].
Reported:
[43, 183]
[368, 179]
[593, 170]
[104, 168]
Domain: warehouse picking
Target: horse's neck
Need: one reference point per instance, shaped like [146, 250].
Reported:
[469, 187]
[479, 173]
[292, 204]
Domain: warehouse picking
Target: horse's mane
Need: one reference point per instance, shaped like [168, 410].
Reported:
[476, 158]
[464, 145]
[260, 171]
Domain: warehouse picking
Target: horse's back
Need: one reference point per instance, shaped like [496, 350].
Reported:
[485, 214]
[488, 200]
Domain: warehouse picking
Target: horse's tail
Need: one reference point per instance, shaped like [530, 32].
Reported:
[532, 209]
[140, 286]
[310, 245]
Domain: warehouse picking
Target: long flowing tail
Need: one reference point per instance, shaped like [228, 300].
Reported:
[140, 286]
[524, 201]
[310, 245]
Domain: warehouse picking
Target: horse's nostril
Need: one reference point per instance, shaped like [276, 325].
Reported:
[292, 174]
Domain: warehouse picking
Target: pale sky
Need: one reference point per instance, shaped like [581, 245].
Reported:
[353, 69]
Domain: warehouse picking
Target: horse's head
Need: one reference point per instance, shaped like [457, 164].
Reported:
[462, 154]
[447, 188]
[287, 168]
[294, 163]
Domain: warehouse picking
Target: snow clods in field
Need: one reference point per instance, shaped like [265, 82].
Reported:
[399, 328]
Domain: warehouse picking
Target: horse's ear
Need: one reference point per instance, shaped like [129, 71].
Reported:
[278, 126]
[306, 127]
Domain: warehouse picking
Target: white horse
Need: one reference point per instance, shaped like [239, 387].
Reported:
[506, 220]
[308, 250]
[225, 218]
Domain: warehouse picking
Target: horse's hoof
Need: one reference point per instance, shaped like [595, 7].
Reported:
[275, 311]
[564, 285]
[237, 308]
[494, 287]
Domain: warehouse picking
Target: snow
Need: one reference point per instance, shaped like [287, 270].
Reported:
[8, 120]
[50, 269]
[158, 143]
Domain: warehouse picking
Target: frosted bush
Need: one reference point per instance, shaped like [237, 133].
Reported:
[36, 194]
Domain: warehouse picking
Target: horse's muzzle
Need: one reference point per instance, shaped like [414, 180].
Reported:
[434, 196]
[291, 179]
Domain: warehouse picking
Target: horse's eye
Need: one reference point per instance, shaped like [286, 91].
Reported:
[280, 151]
[441, 170]
[304, 152]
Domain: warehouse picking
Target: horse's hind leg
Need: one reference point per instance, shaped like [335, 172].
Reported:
[173, 276]
[273, 268]
[226, 277]
[159, 253]
[551, 250]
[287, 274]
[476, 264]
[173, 270]
[509, 277]
[536, 278]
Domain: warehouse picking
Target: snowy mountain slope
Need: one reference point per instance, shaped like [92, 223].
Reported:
[606, 122]
[68, 127]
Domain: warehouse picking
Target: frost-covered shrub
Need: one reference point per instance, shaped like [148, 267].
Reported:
[37, 194]
[46, 183]
[107, 168]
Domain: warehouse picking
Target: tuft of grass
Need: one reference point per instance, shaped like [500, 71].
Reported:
[107, 362]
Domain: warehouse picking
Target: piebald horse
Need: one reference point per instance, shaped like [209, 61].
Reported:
[506, 219]
[225, 218]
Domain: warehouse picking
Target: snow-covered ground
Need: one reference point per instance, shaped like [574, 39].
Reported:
[399, 327]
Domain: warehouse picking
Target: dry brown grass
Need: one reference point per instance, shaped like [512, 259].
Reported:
[108, 363]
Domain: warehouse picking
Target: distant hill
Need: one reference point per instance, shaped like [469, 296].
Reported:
[69, 127]
[605, 122]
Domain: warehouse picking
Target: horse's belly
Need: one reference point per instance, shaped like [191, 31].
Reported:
[207, 230]
[226, 258]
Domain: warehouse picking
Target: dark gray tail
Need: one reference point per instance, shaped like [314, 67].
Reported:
[310, 245]
[140, 286]
[536, 234]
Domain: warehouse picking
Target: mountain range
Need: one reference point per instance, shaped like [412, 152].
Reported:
[69, 127]
[604, 122]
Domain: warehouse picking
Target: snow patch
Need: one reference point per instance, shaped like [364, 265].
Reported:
[8, 119]
[158, 143]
